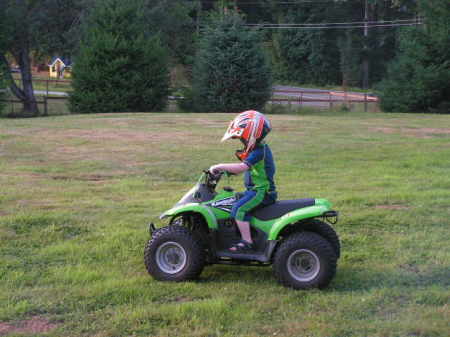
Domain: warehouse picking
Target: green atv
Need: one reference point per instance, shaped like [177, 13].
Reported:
[292, 235]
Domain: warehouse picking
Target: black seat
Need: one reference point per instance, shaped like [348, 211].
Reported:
[280, 208]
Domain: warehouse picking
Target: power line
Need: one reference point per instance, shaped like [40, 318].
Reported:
[399, 21]
[231, 2]
[338, 27]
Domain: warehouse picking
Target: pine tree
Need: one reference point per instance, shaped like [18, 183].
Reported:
[419, 78]
[119, 67]
[309, 56]
[231, 71]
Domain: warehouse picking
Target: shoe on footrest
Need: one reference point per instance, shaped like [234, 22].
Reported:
[241, 247]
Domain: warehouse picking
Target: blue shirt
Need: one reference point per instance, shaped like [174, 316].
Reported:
[261, 169]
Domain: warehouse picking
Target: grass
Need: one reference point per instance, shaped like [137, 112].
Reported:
[77, 192]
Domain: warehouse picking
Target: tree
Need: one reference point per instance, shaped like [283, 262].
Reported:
[309, 55]
[231, 71]
[3, 87]
[172, 20]
[27, 26]
[119, 67]
[418, 79]
[327, 55]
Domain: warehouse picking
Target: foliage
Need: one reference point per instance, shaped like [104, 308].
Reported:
[329, 56]
[32, 27]
[119, 67]
[172, 20]
[418, 79]
[231, 71]
[308, 55]
[350, 60]
[187, 103]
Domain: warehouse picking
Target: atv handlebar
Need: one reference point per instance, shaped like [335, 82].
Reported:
[212, 179]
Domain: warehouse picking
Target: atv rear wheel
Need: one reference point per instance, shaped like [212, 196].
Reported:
[305, 260]
[326, 231]
[174, 254]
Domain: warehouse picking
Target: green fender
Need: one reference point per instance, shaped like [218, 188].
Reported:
[321, 206]
[196, 208]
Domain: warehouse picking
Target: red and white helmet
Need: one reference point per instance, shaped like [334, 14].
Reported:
[250, 127]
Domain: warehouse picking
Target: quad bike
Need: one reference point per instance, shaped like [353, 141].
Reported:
[291, 235]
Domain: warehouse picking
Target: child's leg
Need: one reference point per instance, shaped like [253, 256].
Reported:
[250, 200]
[244, 228]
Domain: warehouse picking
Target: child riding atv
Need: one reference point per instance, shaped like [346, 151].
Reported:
[250, 127]
[294, 236]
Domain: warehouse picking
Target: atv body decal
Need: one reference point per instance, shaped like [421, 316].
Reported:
[224, 204]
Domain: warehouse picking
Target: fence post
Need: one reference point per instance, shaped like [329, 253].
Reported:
[301, 99]
[330, 104]
[365, 102]
[347, 104]
[45, 106]
[47, 86]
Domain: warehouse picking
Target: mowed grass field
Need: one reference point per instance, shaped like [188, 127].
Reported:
[76, 194]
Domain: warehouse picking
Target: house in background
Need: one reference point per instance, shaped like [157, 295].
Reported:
[60, 67]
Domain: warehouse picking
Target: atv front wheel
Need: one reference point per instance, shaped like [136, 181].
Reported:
[305, 260]
[174, 254]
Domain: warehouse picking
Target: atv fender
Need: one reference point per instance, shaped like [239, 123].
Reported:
[193, 208]
[317, 210]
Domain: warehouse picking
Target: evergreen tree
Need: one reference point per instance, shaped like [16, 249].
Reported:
[119, 67]
[309, 56]
[231, 71]
[172, 20]
[419, 78]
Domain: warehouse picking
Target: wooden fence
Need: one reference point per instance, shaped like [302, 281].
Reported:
[314, 98]
[44, 102]
[327, 98]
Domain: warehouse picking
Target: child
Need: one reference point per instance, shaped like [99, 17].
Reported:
[257, 162]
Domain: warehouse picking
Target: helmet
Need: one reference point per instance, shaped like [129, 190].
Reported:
[250, 127]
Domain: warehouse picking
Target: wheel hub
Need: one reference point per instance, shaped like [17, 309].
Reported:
[303, 265]
[171, 257]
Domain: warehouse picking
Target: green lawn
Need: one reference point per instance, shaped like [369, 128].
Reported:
[77, 193]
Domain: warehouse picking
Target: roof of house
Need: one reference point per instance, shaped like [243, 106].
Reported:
[65, 60]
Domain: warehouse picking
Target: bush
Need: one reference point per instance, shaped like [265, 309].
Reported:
[414, 82]
[118, 67]
[186, 104]
[418, 79]
[231, 71]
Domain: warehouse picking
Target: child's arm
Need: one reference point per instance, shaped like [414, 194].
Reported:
[232, 168]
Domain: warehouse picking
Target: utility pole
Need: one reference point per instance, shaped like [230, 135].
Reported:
[366, 47]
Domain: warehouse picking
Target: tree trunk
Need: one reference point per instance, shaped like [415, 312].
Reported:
[26, 95]
[30, 107]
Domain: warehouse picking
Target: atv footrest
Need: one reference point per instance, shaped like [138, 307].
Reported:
[251, 256]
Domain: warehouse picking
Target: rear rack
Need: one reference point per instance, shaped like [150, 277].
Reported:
[331, 216]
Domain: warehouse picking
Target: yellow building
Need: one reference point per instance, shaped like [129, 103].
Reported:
[60, 68]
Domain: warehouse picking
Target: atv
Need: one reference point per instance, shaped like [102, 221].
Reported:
[294, 236]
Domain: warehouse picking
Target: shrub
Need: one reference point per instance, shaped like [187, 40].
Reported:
[418, 79]
[118, 67]
[231, 71]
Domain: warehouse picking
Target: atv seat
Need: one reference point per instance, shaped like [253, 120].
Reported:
[280, 208]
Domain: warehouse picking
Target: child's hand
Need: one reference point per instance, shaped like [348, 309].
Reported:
[215, 169]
